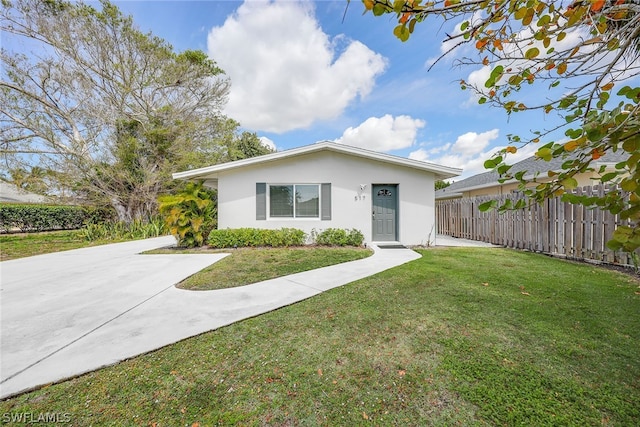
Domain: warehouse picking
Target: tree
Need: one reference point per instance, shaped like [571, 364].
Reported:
[33, 180]
[441, 184]
[583, 54]
[247, 145]
[112, 109]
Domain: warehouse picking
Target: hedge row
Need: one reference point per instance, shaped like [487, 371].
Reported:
[28, 218]
[255, 237]
[339, 237]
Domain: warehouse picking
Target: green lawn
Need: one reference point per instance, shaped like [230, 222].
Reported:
[250, 265]
[28, 244]
[463, 336]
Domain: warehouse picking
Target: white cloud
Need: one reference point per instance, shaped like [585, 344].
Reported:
[476, 79]
[472, 143]
[420, 154]
[437, 150]
[472, 165]
[469, 152]
[423, 154]
[285, 71]
[384, 133]
[267, 143]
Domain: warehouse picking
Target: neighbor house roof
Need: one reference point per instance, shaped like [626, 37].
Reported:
[211, 173]
[9, 193]
[532, 165]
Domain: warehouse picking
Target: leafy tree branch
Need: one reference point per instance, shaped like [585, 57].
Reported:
[583, 56]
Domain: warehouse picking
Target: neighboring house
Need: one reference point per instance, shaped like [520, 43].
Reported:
[328, 185]
[486, 184]
[9, 193]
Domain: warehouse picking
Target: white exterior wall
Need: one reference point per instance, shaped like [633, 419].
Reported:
[416, 213]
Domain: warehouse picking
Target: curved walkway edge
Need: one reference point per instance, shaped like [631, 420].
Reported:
[68, 313]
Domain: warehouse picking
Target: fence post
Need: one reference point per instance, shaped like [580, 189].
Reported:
[560, 248]
[598, 228]
[578, 227]
[588, 226]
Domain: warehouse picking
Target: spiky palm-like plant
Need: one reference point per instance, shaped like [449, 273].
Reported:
[190, 215]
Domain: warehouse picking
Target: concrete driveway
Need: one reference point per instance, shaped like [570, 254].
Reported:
[72, 312]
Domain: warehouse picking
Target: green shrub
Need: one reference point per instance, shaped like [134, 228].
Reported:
[40, 217]
[256, 237]
[190, 215]
[99, 214]
[138, 229]
[339, 237]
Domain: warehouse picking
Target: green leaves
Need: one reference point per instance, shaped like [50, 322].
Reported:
[402, 32]
[567, 101]
[520, 13]
[532, 53]
[256, 237]
[527, 15]
[398, 5]
[631, 145]
[486, 206]
[630, 93]
[625, 239]
[570, 183]
[379, 9]
[339, 237]
[629, 184]
[545, 153]
[595, 133]
[495, 75]
[29, 218]
[189, 214]
[493, 162]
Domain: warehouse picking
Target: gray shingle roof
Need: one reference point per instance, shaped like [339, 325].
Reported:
[531, 164]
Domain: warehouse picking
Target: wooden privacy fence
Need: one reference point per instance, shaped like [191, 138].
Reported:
[553, 227]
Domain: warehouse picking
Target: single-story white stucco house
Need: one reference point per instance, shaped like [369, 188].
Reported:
[328, 185]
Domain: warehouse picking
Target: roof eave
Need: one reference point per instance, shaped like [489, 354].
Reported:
[211, 172]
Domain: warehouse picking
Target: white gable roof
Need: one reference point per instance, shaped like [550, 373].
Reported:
[211, 172]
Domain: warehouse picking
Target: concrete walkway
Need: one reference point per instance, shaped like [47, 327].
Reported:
[442, 240]
[72, 312]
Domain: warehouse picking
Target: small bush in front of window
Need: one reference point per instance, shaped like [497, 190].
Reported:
[339, 237]
[256, 237]
[284, 237]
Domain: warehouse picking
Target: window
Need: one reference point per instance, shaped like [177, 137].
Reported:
[294, 201]
[281, 200]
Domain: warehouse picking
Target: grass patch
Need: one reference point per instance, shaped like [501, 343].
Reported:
[22, 245]
[463, 336]
[251, 265]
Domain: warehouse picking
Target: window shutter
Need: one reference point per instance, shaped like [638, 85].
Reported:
[261, 201]
[325, 202]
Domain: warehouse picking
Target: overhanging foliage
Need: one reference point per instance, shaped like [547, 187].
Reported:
[583, 57]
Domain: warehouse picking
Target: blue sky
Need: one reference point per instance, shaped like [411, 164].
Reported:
[300, 74]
